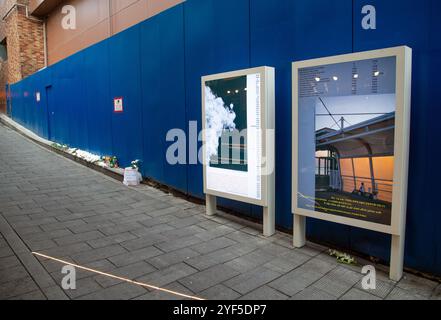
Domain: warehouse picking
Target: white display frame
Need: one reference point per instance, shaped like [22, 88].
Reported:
[403, 56]
[267, 103]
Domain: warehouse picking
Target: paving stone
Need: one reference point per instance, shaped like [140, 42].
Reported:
[302, 277]
[48, 235]
[107, 218]
[312, 293]
[383, 288]
[187, 213]
[264, 293]
[127, 211]
[33, 223]
[210, 225]
[91, 226]
[13, 273]
[223, 219]
[401, 294]
[357, 294]
[53, 266]
[76, 216]
[417, 285]
[213, 245]
[312, 249]
[123, 291]
[41, 245]
[123, 210]
[135, 256]
[338, 281]
[63, 225]
[177, 289]
[28, 230]
[219, 292]
[13, 219]
[276, 249]
[157, 221]
[205, 279]
[147, 231]
[135, 218]
[69, 250]
[111, 240]
[180, 243]
[101, 265]
[221, 256]
[81, 237]
[143, 203]
[287, 261]
[280, 265]
[182, 232]
[248, 239]
[165, 210]
[83, 287]
[120, 228]
[98, 254]
[54, 293]
[35, 269]
[17, 288]
[168, 275]
[185, 222]
[5, 252]
[9, 262]
[168, 259]
[145, 241]
[252, 280]
[214, 233]
[35, 295]
[250, 261]
[130, 272]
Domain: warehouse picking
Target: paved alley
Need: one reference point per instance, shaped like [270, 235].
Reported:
[56, 207]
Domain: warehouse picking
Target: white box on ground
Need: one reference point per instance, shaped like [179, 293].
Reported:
[132, 177]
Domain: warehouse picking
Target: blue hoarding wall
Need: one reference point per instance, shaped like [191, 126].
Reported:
[156, 68]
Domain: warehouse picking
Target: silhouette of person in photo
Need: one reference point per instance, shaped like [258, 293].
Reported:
[362, 189]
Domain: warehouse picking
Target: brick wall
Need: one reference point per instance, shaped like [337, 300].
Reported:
[31, 42]
[25, 42]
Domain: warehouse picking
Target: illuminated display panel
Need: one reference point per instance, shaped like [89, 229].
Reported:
[236, 116]
[351, 117]
[347, 111]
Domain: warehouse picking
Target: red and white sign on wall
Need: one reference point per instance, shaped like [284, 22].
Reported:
[118, 104]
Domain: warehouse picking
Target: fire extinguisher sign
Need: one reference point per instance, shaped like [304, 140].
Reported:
[118, 105]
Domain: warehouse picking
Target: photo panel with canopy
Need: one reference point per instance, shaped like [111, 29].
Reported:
[351, 117]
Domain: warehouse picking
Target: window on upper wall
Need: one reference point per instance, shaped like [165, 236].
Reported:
[3, 50]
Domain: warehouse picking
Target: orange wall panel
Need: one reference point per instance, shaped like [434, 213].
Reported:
[97, 33]
[130, 16]
[96, 21]
[157, 6]
[118, 5]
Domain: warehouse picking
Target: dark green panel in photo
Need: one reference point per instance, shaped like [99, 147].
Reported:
[232, 151]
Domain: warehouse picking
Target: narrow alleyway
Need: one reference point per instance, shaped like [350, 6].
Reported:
[53, 206]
